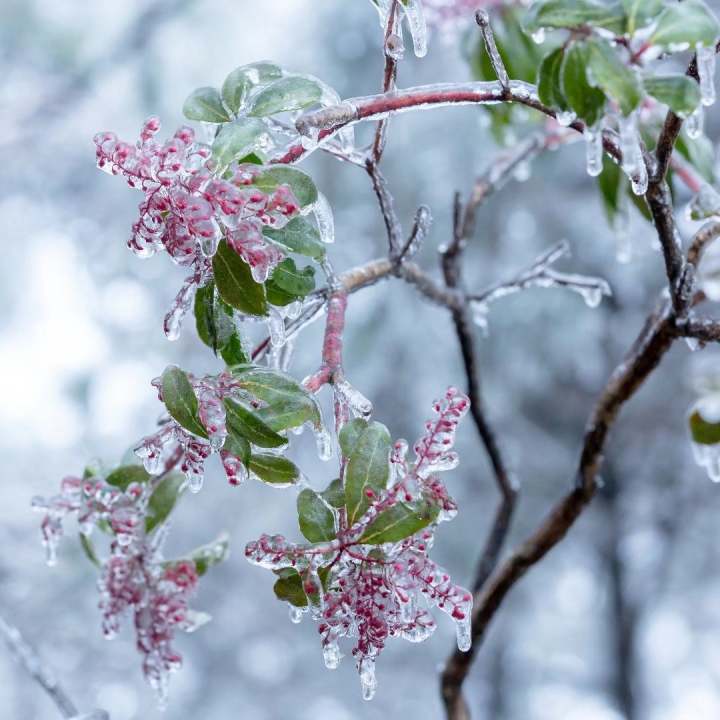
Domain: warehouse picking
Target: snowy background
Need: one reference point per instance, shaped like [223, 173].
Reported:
[629, 600]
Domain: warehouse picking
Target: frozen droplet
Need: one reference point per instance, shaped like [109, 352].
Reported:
[295, 614]
[594, 150]
[538, 36]
[359, 404]
[417, 26]
[394, 46]
[368, 681]
[706, 74]
[708, 457]
[331, 654]
[463, 633]
[276, 328]
[324, 443]
[564, 118]
[195, 482]
[324, 218]
[695, 122]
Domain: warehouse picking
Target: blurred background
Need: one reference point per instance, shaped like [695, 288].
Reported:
[620, 621]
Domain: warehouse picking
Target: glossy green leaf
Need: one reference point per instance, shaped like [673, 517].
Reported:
[289, 278]
[299, 236]
[549, 81]
[246, 423]
[639, 13]
[180, 401]
[367, 470]
[233, 352]
[609, 72]
[301, 184]
[206, 105]
[237, 139]
[587, 102]
[285, 94]
[399, 521]
[237, 445]
[235, 282]
[289, 587]
[703, 432]
[163, 500]
[575, 13]
[349, 435]
[211, 554]
[679, 92]
[124, 475]
[334, 494]
[700, 153]
[316, 519]
[273, 469]
[686, 23]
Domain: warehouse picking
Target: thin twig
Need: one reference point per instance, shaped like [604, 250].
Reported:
[483, 20]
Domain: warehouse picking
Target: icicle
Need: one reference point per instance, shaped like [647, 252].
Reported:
[463, 634]
[331, 654]
[195, 482]
[706, 73]
[179, 308]
[538, 36]
[632, 160]
[594, 150]
[708, 457]
[324, 218]
[295, 614]
[358, 403]
[417, 26]
[368, 682]
[695, 123]
[276, 327]
[324, 442]
[621, 228]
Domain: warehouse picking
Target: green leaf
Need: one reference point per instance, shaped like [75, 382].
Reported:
[349, 435]
[299, 236]
[246, 423]
[238, 446]
[316, 519]
[88, 547]
[278, 297]
[233, 352]
[235, 282]
[679, 92]
[301, 184]
[640, 13]
[289, 587]
[288, 278]
[334, 494]
[585, 101]
[211, 554]
[274, 470]
[180, 401]
[240, 81]
[288, 401]
[367, 470]
[163, 500]
[549, 82]
[399, 522]
[609, 72]
[238, 139]
[609, 182]
[686, 24]
[289, 93]
[703, 431]
[205, 104]
[574, 13]
[124, 475]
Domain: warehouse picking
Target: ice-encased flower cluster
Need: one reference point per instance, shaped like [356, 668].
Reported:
[372, 592]
[134, 579]
[188, 207]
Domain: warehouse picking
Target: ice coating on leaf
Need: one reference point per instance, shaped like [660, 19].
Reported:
[593, 150]
[706, 73]
[324, 217]
[633, 163]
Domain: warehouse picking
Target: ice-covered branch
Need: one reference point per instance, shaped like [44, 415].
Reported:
[29, 659]
[483, 20]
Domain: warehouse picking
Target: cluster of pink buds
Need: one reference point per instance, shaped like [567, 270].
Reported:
[134, 578]
[374, 579]
[188, 207]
